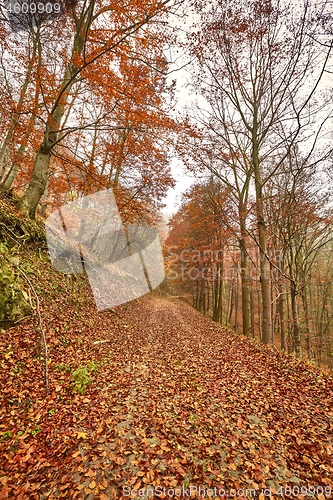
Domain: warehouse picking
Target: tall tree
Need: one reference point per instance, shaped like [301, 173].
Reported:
[105, 35]
[301, 219]
[259, 71]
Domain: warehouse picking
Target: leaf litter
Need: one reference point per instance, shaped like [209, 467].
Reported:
[174, 401]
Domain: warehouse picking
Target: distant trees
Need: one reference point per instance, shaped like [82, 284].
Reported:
[196, 246]
[301, 221]
[203, 261]
[21, 92]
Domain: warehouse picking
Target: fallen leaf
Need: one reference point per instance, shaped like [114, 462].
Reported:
[82, 435]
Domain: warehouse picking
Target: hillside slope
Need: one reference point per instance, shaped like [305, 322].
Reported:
[177, 401]
[150, 397]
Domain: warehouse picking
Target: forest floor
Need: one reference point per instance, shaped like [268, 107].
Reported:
[151, 400]
[177, 405]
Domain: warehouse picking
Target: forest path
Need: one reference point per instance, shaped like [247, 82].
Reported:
[181, 402]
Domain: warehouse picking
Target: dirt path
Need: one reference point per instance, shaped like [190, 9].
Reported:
[181, 402]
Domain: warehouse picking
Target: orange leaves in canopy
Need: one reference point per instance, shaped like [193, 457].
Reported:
[203, 221]
[103, 101]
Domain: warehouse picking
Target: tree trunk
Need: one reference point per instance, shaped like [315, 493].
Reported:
[4, 166]
[236, 304]
[37, 185]
[41, 170]
[10, 177]
[217, 305]
[282, 320]
[219, 310]
[307, 323]
[245, 282]
[296, 327]
[230, 303]
[264, 262]
[252, 312]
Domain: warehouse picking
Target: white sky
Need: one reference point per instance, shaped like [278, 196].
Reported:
[184, 180]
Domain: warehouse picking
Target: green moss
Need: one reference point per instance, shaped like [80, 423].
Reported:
[13, 299]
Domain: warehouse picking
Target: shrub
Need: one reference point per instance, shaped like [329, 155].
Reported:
[80, 379]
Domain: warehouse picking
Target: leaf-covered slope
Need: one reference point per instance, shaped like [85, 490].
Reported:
[174, 401]
[16, 233]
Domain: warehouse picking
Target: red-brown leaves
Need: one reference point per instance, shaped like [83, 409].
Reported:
[177, 401]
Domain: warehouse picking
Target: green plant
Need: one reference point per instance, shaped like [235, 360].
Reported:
[64, 341]
[18, 367]
[92, 366]
[35, 431]
[3, 248]
[6, 435]
[14, 303]
[26, 267]
[52, 412]
[80, 380]
[62, 367]
[81, 377]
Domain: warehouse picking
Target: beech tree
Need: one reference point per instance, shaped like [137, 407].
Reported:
[259, 71]
[301, 221]
[101, 43]
[196, 248]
